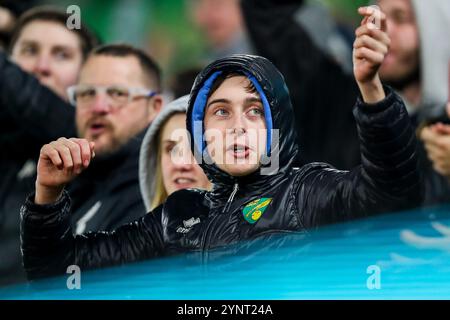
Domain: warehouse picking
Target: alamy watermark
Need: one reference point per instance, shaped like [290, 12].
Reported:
[374, 280]
[249, 148]
[74, 20]
[74, 280]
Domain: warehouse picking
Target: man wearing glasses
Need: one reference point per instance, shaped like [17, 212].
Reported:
[116, 98]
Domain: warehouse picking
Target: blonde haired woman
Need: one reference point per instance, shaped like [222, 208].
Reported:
[160, 172]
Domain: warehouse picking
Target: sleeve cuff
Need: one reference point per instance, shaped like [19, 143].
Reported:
[370, 108]
[48, 209]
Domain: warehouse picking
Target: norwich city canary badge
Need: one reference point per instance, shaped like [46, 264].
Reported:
[255, 209]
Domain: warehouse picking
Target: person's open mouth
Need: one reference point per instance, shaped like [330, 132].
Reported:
[239, 151]
[96, 128]
[184, 182]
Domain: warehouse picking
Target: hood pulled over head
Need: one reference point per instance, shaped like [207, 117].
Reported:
[270, 85]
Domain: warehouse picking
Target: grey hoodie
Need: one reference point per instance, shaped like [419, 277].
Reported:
[433, 22]
[149, 149]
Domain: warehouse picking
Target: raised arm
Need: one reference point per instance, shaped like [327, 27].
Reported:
[49, 246]
[33, 108]
[275, 34]
[388, 178]
[48, 243]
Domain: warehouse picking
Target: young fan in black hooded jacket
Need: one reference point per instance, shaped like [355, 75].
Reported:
[235, 95]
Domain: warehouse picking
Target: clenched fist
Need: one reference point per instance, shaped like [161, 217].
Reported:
[369, 49]
[59, 163]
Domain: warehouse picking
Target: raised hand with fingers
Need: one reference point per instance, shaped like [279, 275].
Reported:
[369, 49]
[59, 163]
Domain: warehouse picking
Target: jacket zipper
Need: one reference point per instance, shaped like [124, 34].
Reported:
[231, 198]
[226, 207]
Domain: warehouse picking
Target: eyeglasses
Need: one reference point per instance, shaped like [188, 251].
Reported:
[83, 95]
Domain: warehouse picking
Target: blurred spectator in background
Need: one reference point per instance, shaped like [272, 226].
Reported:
[220, 21]
[436, 159]
[435, 134]
[43, 46]
[163, 166]
[416, 66]
[116, 98]
[33, 111]
[10, 10]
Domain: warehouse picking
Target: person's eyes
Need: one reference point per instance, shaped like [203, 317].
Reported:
[29, 50]
[62, 55]
[169, 147]
[256, 112]
[85, 93]
[400, 17]
[118, 92]
[221, 112]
